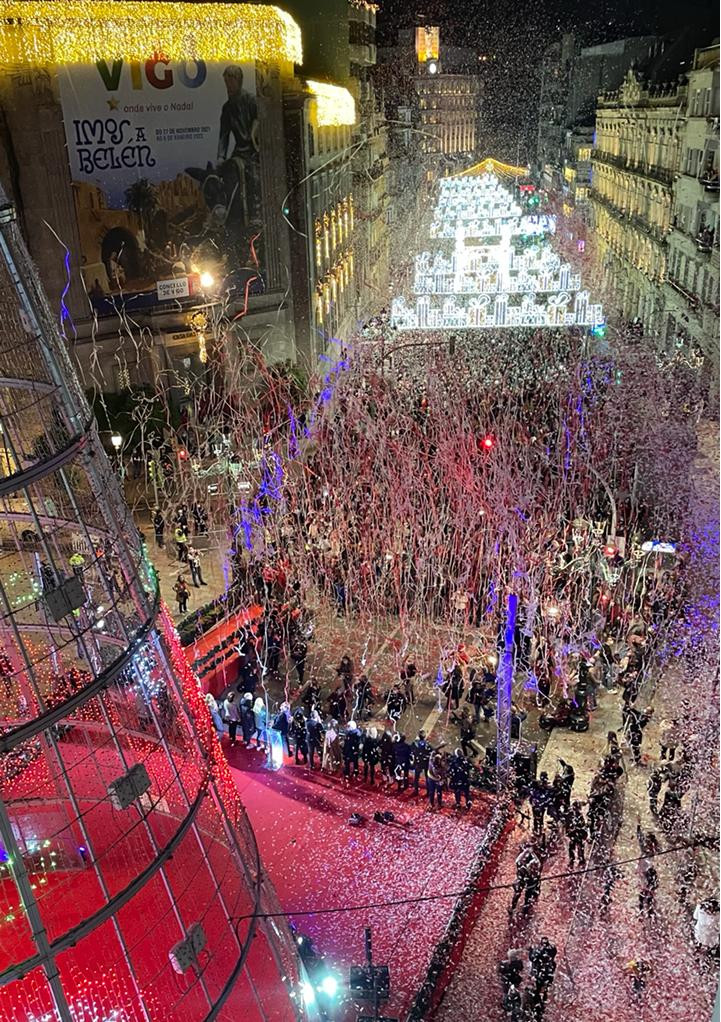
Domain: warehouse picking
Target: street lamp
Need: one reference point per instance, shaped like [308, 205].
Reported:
[117, 441]
[206, 280]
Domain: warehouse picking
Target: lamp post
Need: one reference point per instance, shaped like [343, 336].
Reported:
[117, 441]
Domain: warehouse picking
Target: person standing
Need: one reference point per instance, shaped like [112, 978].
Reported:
[332, 756]
[436, 778]
[214, 711]
[196, 570]
[636, 721]
[539, 797]
[181, 542]
[401, 761]
[387, 756]
[282, 723]
[420, 757]
[299, 735]
[247, 717]
[158, 528]
[577, 835]
[182, 594]
[231, 708]
[314, 738]
[298, 654]
[542, 959]
[459, 778]
[475, 696]
[261, 721]
[371, 754]
[528, 878]
[351, 751]
[567, 777]
[653, 787]
[647, 894]
[467, 732]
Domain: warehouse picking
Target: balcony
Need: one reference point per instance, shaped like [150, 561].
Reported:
[693, 301]
[637, 167]
[710, 182]
[705, 239]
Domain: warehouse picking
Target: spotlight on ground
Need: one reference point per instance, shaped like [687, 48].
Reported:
[328, 986]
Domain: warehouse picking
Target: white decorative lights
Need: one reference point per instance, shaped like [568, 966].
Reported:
[501, 271]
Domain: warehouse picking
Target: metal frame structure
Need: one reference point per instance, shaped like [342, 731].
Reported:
[94, 897]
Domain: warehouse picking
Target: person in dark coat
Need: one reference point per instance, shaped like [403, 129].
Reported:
[539, 797]
[387, 756]
[528, 878]
[158, 527]
[299, 736]
[476, 696]
[247, 717]
[338, 704]
[371, 754]
[567, 777]
[402, 761]
[577, 835]
[395, 704]
[453, 687]
[311, 697]
[351, 750]
[420, 757]
[459, 778]
[542, 959]
[510, 971]
[467, 732]
[636, 721]
[361, 697]
[298, 654]
[314, 738]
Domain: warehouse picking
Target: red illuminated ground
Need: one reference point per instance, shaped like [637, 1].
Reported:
[315, 859]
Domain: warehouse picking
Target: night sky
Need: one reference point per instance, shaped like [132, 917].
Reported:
[515, 36]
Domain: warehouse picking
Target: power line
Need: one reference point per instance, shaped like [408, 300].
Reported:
[471, 889]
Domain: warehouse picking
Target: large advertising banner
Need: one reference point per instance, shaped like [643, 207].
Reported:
[166, 176]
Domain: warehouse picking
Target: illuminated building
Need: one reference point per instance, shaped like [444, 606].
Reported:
[190, 227]
[129, 873]
[448, 103]
[692, 283]
[637, 154]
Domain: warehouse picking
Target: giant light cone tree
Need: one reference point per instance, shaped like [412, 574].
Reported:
[129, 873]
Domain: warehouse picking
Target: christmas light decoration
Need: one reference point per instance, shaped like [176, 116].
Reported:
[102, 684]
[334, 105]
[34, 34]
[492, 278]
[489, 165]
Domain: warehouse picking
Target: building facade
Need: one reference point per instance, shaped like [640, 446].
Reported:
[370, 165]
[572, 77]
[692, 283]
[637, 154]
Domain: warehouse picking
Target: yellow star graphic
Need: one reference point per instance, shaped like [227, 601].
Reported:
[113, 103]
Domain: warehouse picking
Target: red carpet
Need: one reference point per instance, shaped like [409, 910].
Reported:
[316, 859]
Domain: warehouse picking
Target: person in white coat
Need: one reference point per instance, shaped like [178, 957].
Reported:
[706, 926]
[231, 708]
